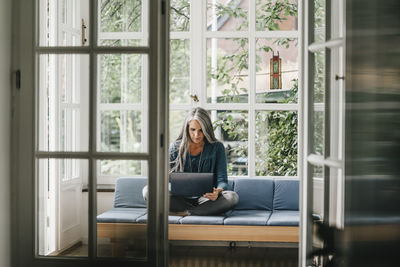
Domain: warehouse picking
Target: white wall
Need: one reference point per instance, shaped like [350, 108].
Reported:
[5, 99]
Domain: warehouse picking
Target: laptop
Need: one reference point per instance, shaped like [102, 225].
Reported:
[191, 184]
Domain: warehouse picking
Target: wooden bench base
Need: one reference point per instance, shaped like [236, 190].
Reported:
[119, 233]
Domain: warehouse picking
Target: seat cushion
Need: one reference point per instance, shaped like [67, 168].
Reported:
[171, 219]
[193, 219]
[286, 195]
[284, 218]
[254, 194]
[247, 217]
[128, 193]
[121, 215]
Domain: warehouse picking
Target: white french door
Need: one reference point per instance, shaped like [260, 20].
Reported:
[88, 106]
[323, 190]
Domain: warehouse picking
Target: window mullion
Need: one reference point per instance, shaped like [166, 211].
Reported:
[197, 60]
[252, 96]
[92, 183]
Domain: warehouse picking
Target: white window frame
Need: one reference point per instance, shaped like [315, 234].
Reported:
[142, 106]
[197, 36]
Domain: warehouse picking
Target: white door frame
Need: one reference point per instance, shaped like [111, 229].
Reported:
[24, 141]
[332, 160]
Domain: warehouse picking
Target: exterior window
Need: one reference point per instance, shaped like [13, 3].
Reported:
[229, 46]
[122, 79]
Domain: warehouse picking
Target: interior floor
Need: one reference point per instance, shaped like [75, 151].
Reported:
[181, 255]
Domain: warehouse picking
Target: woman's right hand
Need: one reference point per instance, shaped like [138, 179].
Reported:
[214, 195]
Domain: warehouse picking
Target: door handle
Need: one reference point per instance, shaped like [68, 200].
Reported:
[337, 77]
[83, 32]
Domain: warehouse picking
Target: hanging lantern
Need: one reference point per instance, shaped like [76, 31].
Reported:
[275, 72]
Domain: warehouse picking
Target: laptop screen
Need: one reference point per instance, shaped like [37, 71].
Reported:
[191, 183]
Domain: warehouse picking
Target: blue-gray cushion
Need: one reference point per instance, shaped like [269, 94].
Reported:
[121, 215]
[284, 218]
[286, 195]
[128, 193]
[202, 220]
[171, 219]
[247, 217]
[254, 194]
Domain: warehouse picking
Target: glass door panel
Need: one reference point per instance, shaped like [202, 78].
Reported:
[123, 23]
[122, 208]
[325, 117]
[93, 148]
[319, 20]
[63, 22]
[319, 92]
[122, 103]
[62, 210]
[63, 104]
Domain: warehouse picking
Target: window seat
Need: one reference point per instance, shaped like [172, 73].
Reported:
[268, 211]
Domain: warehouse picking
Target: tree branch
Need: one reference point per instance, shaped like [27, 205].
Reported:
[179, 12]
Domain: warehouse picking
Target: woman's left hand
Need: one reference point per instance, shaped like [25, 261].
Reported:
[214, 195]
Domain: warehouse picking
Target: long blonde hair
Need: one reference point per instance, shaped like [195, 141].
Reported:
[201, 115]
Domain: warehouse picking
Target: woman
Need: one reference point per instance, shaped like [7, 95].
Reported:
[197, 150]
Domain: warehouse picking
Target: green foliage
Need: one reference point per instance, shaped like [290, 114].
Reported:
[231, 68]
[233, 12]
[269, 14]
[319, 77]
[318, 132]
[276, 131]
[319, 20]
[318, 98]
[120, 79]
[121, 131]
[179, 71]
[276, 143]
[234, 126]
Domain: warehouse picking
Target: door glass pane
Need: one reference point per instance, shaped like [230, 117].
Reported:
[122, 103]
[287, 70]
[121, 131]
[123, 22]
[227, 70]
[122, 78]
[226, 15]
[176, 120]
[179, 16]
[231, 128]
[276, 15]
[318, 118]
[121, 208]
[319, 20]
[63, 22]
[63, 108]
[179, 71]
[276, 143]
[318, 204]
[62, 207]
